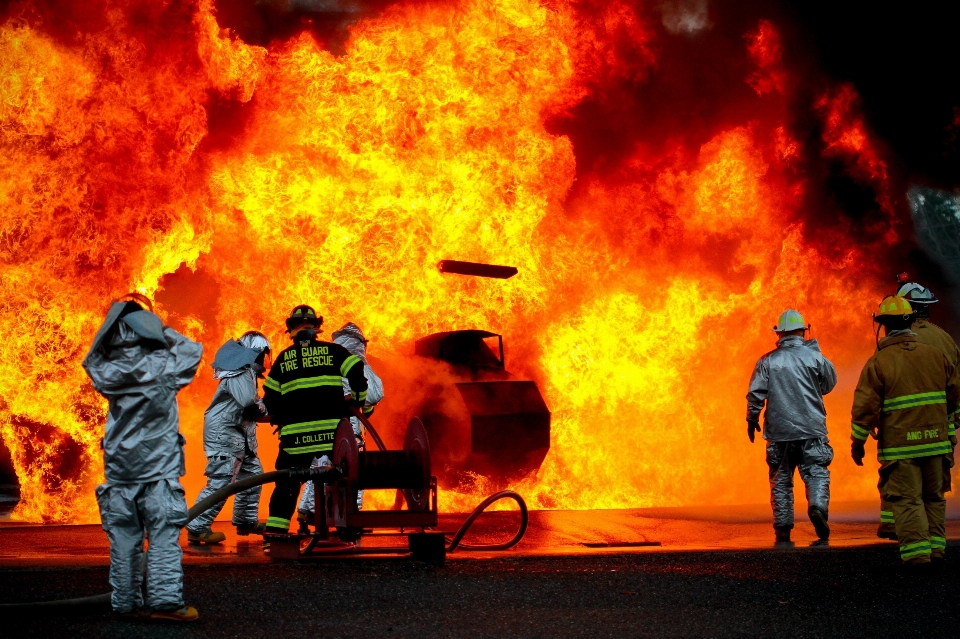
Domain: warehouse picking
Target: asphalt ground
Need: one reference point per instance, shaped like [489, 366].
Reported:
[715, 573]
[800, 592]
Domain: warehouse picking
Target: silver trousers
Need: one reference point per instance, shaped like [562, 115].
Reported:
[128, 511]
[811, 457]
[220, 472]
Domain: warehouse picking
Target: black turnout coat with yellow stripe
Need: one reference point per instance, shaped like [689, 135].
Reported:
[304, 395]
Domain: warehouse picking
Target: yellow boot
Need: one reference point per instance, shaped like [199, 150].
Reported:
[205, 537]
[187, 613]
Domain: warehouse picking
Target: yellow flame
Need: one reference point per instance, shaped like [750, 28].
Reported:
[639, 308]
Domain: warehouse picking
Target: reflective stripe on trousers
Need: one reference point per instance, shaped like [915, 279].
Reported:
[914, 490]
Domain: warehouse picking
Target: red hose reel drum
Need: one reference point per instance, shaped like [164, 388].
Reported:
[407, 470]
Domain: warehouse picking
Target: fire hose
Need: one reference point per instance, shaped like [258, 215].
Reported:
[454, 543]
[97, 603]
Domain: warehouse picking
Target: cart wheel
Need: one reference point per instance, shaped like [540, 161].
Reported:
[416, 442]
[346, 458]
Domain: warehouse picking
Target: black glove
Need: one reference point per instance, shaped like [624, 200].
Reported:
[251, 413]
[857, 452]
[753, 426]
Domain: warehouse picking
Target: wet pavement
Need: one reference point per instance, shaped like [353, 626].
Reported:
[550, 533]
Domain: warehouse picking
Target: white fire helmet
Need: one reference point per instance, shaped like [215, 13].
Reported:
[790, 320]
[916, 294]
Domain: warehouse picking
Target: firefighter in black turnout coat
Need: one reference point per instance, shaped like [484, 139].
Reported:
[304, 397]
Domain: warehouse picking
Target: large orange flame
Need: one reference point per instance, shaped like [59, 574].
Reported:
[153, 150]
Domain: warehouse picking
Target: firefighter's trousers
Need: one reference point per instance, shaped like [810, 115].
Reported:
[221, 471]
[914, 490]
[812, 458]
[285, 492]
[886, 510]
[130, 513]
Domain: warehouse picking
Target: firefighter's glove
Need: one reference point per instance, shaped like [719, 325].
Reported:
[753, 426]
[251, 413]
[857, 452]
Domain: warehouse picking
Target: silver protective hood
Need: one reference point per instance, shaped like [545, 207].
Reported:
[140, 377]
[255, 341]
[791, 381]
[145, 324]
[351, 338]
[106, 329]
[232, 358]
[225, 432]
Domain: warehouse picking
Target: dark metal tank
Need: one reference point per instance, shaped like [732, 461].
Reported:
[490, 423]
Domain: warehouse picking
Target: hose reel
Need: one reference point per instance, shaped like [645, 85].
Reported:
[407, 470]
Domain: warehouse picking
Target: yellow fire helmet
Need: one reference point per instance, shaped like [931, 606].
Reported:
[893, 306]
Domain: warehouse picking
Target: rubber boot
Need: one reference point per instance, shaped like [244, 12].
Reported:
[251, 529]
[206, 537]
[915, 566]
[304, 527]
[819, 520]
[782, 535]
[187, 613]
[134, 615]
[887, 531]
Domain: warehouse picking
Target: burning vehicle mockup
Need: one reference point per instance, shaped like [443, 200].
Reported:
[489, 423]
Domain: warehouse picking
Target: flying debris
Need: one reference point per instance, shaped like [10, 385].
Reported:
[477, 269]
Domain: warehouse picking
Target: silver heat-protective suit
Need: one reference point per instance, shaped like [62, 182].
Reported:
[140, 365]
[230, 436]
[792, 381]
[352, 339]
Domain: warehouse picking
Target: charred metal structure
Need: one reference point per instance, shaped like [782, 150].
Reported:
[489, 423]
[9, 484]
[407, 471]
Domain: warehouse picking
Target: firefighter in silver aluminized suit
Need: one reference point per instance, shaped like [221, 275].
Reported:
[351, 338]
[230, 435]
[140, 365]
[792, 380]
